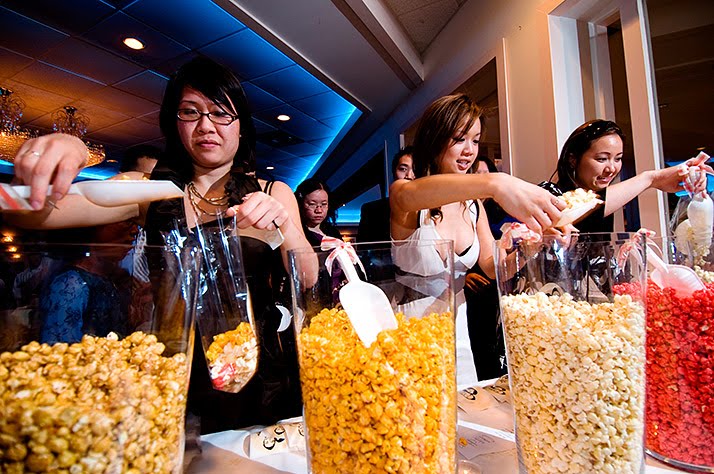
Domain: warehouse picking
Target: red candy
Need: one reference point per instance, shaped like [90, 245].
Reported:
[680, 375]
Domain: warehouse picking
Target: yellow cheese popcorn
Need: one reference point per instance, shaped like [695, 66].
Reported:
[390, 407]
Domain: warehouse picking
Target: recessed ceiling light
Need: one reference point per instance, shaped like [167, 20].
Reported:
[270, 167]
[133, 43]
[283, 117]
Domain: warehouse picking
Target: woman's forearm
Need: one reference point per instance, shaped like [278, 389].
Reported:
[72, 211]
[619, 194]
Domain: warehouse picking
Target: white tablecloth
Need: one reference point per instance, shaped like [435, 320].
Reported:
[228, 451]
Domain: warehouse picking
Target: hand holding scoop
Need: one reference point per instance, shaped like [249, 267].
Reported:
[366, 305]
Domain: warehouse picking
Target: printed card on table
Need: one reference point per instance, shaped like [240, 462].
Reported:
[476, 399]
[472, 443]
[500, 390]
[280, 438]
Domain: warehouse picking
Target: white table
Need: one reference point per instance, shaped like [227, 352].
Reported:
[227, 451]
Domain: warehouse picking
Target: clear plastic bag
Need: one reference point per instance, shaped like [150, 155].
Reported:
[224, 313]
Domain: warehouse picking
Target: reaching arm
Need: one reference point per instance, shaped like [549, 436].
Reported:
[74, 210]
[528, 203]
[668, 180]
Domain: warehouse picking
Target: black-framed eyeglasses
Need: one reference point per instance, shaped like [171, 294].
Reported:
[314, 205]
[218, 117]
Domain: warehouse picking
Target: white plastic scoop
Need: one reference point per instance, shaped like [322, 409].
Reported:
[117, 192]
[365, 304]
[574, 214]
[682, 279]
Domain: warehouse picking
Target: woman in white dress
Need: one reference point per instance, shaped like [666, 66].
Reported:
[444, 203]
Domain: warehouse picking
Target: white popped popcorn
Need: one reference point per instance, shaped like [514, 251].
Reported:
[579, 196]
[577, 376]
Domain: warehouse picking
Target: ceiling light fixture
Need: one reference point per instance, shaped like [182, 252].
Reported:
[133, 43]
[68, 120]
[270, 167]
[283, 117]
[11, 135]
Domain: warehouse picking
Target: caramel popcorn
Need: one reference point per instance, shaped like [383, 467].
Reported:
[101, 405]
[233, 358]
[577, 373]
[389, 407]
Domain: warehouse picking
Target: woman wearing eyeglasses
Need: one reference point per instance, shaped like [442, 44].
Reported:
[591, 159]
[210, 147]
[318, 219]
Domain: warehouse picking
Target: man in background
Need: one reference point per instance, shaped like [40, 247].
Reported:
[141, 158]
[374, 215]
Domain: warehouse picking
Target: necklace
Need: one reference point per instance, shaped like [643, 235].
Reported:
[196, 198]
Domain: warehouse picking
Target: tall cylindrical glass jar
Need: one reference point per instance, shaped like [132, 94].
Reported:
[574, 319]
[680, 365]
[389, 406]
[95, 356]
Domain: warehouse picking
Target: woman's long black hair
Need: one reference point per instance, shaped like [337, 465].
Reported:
[220, 85]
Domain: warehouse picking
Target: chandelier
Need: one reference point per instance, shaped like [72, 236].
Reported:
[68, 120]
[11, 135]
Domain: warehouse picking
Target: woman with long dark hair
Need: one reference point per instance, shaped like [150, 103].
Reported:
[591, 159]
[210, 154]
[444, 201]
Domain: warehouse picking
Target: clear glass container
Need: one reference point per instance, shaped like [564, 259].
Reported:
[574, 321]
[95, 356]
[389, 407]
[680, 365]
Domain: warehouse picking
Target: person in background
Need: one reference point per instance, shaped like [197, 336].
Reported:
[444, 202]
[318, 219]
[496, 215]
[210, 154]
[374, 215]
[481, 293]
[91, 294]
[141, 158]
[591, 159]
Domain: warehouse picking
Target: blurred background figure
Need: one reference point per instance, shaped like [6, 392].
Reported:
[318, 219]
[374, 215]
[496, 215]
[481, 293]
[91, 294]
[141, 158]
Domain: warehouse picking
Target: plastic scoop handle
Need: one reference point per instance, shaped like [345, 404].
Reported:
[366, 305]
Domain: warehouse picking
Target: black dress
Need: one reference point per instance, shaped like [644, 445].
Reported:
[274, 392]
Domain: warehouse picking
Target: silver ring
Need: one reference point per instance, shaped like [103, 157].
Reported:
[36, 153]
